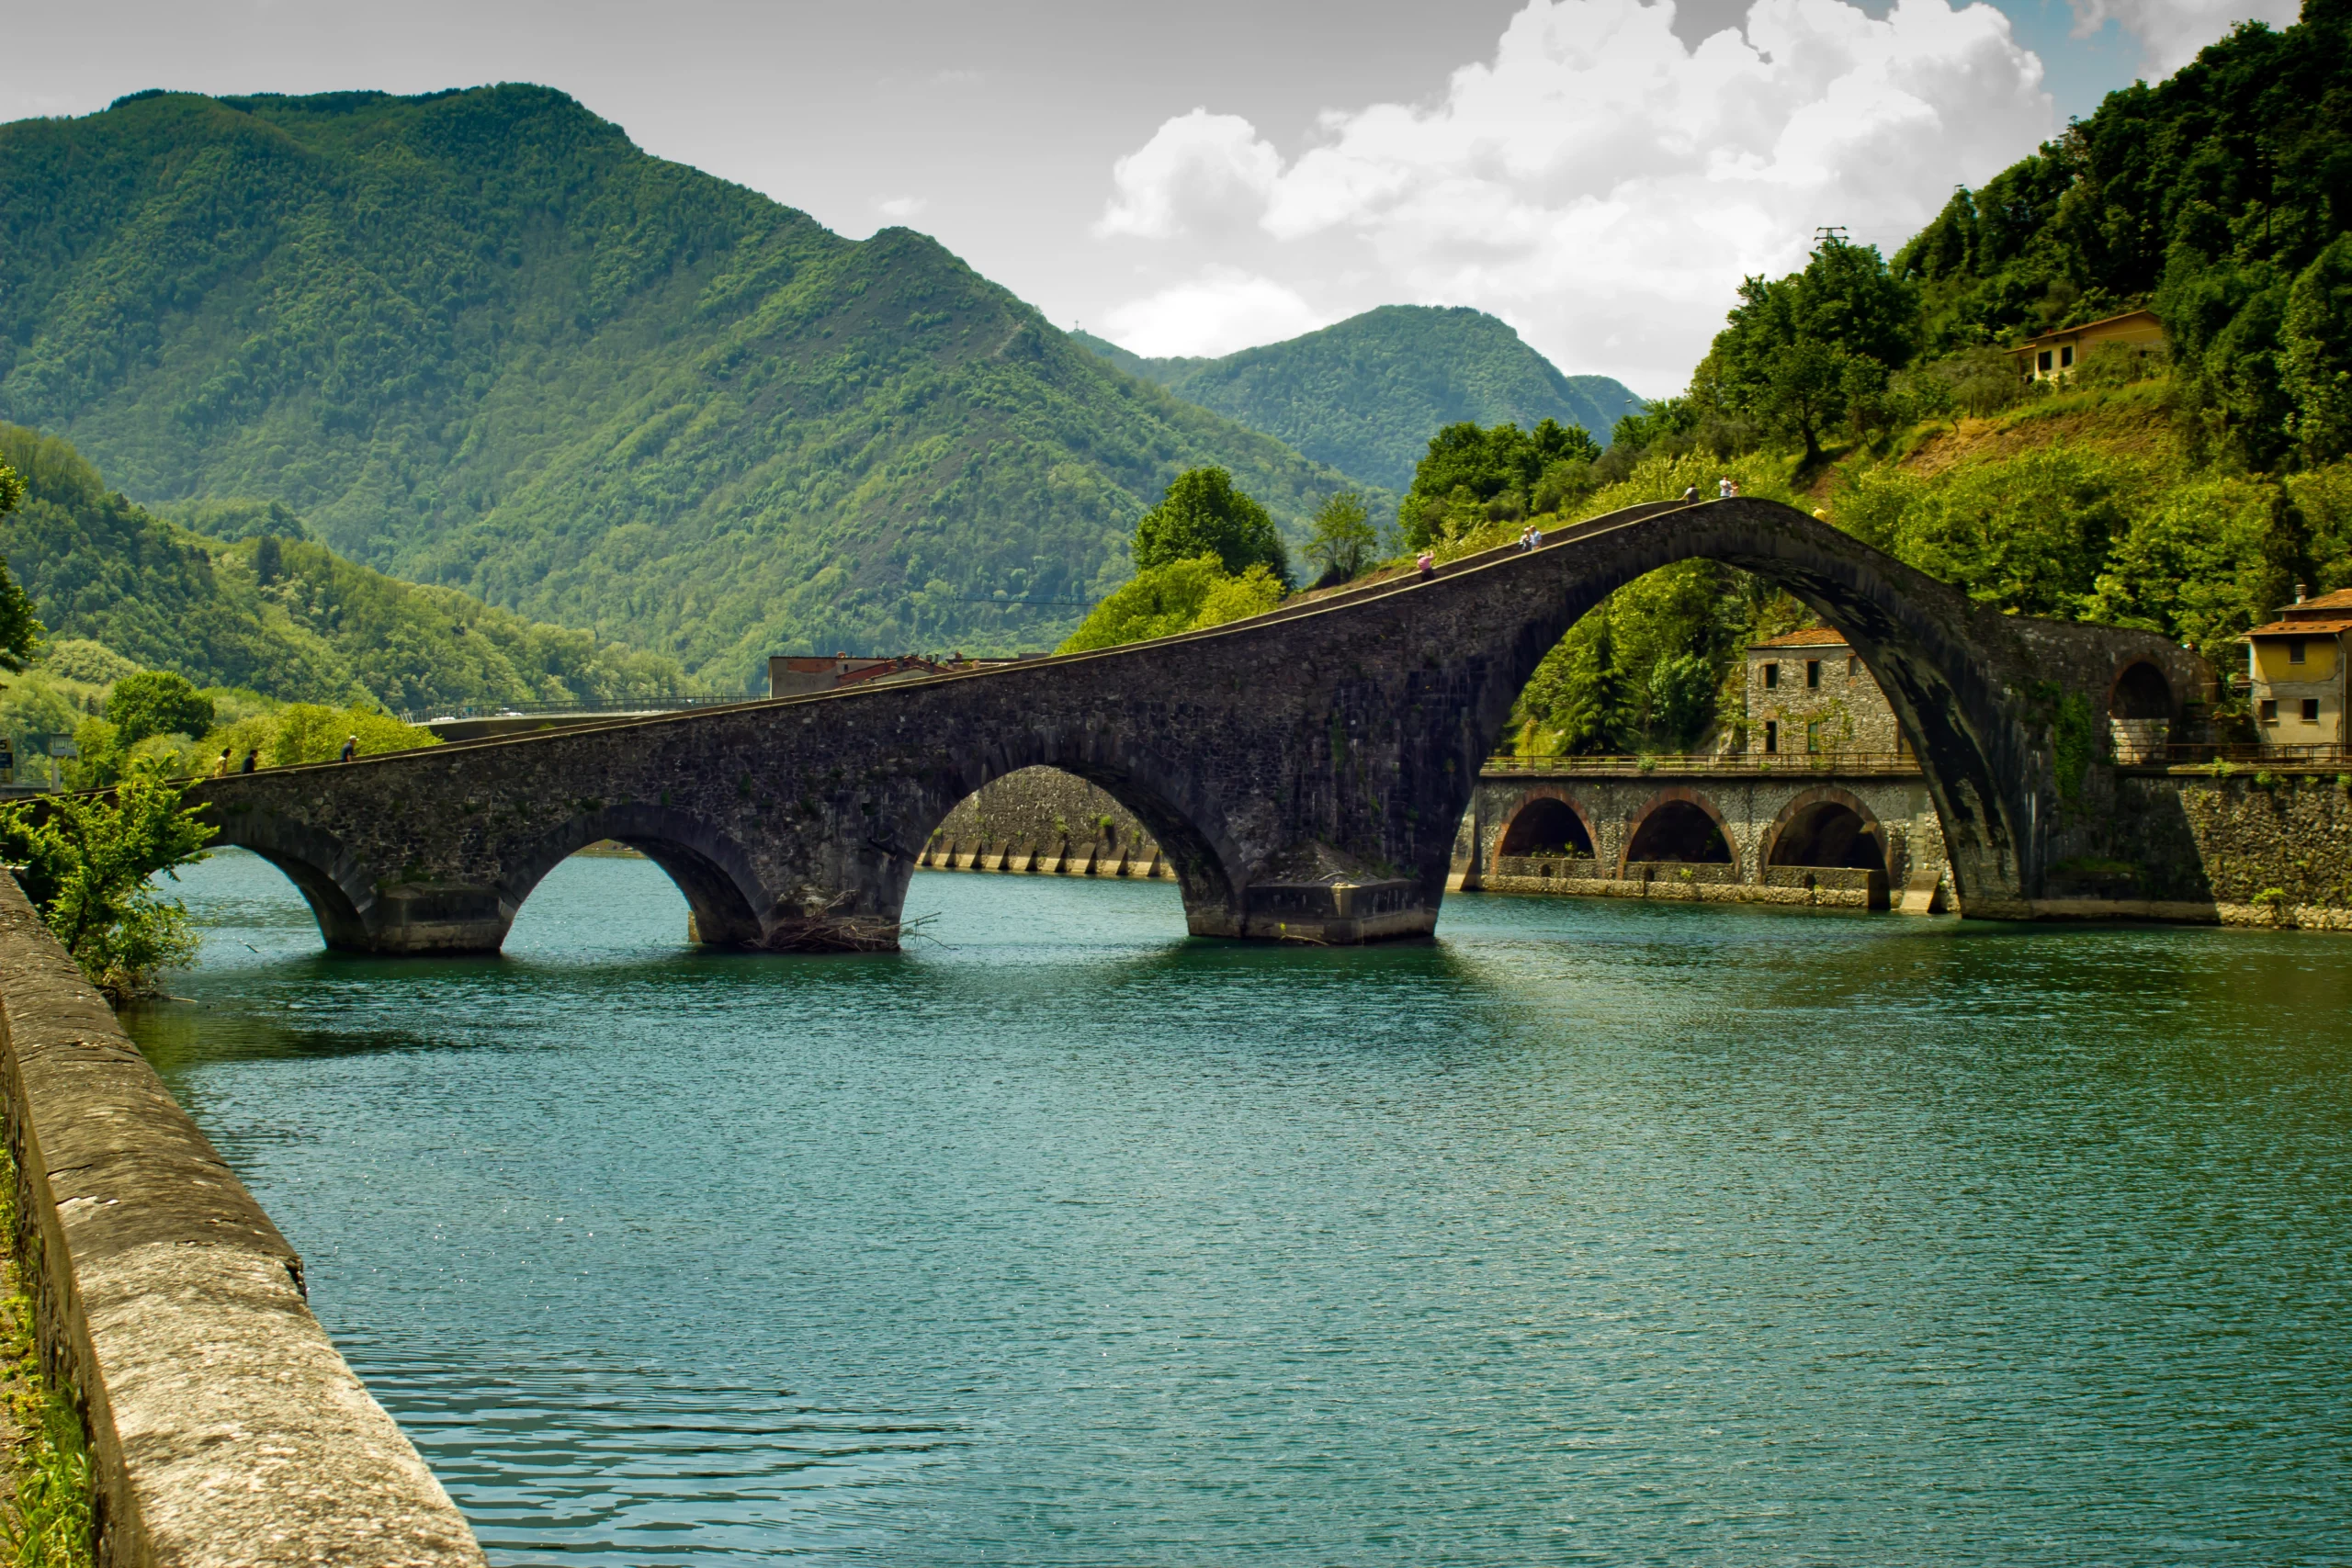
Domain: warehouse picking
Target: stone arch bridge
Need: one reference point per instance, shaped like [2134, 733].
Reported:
[1303, 771]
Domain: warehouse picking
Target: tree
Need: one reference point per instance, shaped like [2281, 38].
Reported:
[156, 702]
[1344, 542]
[90, 862]
[1803, 351]
[20, 630]
[1204, 514]
[2319, 353]
[1470, 474]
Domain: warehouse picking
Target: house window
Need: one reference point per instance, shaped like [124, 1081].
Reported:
[1812, 736]
[2310, 710]
[2041, 361]
[2295, 648]
[1771, 731]
[2269, 711]
[1812, 672]
[1772, 676]
[2066, 357]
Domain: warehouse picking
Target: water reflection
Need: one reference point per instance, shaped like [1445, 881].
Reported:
[1592, 1232]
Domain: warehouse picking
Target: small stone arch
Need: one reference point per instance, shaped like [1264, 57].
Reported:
[1181, 819]
[1552, 815]
[2142, 691]
[1668, 820]
[723, 892]
[336, 885]
[1797, 829]
[2141, 707]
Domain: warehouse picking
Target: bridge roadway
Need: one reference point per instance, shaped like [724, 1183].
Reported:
[1303, 771]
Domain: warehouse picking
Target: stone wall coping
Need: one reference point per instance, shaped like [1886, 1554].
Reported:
[225, 1427]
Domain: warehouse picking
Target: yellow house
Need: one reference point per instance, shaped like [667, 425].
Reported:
[2296, 667]
[2055, 355]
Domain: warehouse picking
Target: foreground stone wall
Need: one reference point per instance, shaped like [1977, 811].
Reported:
[224, 1428]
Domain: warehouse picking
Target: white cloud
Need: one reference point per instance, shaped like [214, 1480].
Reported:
[1197, 168]
[1216, 312]
[901, 207]
[1603, 187]
[2172, 31]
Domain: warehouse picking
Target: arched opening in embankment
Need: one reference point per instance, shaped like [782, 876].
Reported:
[1679, 829]
[1831, 830]
[1547, 825]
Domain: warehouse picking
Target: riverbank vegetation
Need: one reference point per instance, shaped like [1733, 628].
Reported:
[46, 1513]
[88, 864]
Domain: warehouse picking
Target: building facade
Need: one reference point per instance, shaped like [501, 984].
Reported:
[1810, 695]
[2054, 356]
[2295, 670]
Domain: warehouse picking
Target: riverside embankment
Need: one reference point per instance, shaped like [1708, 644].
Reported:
[223, 1426]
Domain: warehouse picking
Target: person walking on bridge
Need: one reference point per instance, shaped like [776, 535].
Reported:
[1725, 489]
[253, 760]
[1691, 492]
[1425, 563]
[350, 747]
[220, 769]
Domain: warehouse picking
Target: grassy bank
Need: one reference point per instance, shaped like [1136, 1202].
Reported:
[45, 1491]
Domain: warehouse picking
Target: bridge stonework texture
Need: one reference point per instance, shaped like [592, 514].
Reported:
[1304, 772]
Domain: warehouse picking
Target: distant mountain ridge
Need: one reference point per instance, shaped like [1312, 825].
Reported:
[477, 338]
[1366, 394]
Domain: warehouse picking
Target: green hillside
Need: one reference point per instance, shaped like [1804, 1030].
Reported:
[1366, 395]
[2217, 198]
[285, 618]
[479, 339]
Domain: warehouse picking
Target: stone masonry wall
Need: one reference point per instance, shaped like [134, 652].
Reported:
[2254, 847]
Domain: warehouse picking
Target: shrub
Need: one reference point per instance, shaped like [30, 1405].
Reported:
[90, 863]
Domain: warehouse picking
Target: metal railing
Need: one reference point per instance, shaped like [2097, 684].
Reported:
[1886, 763]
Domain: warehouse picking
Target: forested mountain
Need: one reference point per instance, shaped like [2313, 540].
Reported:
[275, 614]
[1366, 395]
[477, 338]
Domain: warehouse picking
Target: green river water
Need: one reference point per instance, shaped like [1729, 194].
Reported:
[1592, 1232]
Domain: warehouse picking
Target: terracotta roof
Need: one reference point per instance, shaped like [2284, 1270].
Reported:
[2339, 600]
[1812, 637]
[2086, 326]
[2300, 629]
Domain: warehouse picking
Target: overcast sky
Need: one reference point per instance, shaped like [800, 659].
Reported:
[1195, 179]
